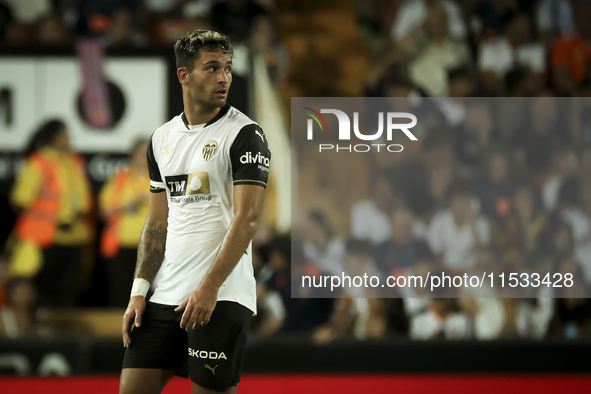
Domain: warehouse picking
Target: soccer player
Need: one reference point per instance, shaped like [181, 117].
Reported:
[208, 172]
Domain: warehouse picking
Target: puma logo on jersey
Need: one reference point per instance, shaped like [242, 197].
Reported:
[166, 151]
[260, 135]
[211, 369]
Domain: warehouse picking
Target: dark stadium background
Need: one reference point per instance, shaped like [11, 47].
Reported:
[287, 48]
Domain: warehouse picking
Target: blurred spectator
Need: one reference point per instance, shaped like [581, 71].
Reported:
[54, 199]
[583, 249]
[534, 145]
[571, 54]
[370, 219]
[263, 41]
[95, 16]
[52, 31]
[236, 18]
[320, 245]
[358, 312]
[415, 299]
[473, 136]
[443, 319]
[17, 317]
[397, 254]
[569, 210]
[491, 17]
[461, 82]
[29, 11]
[274, 287]
[586, 197]
[496, 318]
[572, 319]
[121, 30]
[554, 18]
[164, 6]
[439, 160]
[182, 16]
[564, 164]
[124, 205]
[440, 53]
[519, 231]
[556, 239]
[458, 232]
[514, 50]
[275, 284]
[412, 15]
[493, 189]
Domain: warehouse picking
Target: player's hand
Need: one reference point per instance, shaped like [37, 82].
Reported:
[198, 307]
[133, 315]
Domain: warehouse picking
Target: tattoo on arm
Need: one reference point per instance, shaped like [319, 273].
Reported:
[150, 251]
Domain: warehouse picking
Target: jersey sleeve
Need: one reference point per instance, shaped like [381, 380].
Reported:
[156, 184]
[250, 157]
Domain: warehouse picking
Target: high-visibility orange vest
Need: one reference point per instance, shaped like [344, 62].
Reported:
[38, 223]
[110, 240]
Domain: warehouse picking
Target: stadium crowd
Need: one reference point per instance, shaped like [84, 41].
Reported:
[510, 180]
[499, 185]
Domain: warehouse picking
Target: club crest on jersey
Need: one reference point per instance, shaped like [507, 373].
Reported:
[209, 149]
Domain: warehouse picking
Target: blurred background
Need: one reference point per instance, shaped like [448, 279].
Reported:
[83, 84]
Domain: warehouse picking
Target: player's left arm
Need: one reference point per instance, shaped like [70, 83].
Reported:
[248, 208]
[250, 159]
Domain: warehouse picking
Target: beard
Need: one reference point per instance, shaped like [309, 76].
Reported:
[204, 96]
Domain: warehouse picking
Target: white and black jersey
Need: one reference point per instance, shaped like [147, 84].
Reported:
[197, 166]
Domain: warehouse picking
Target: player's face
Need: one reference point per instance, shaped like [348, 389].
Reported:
[210, 80]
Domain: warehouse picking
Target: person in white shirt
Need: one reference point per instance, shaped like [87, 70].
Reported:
[320, 245]
[511, 52]
[370, 219]
[441, 320]
[413, 13]
[429, 69]
[457, 233]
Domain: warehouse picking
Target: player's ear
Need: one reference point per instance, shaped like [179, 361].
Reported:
[183, 75]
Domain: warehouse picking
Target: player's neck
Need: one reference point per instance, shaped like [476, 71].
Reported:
[197, 114]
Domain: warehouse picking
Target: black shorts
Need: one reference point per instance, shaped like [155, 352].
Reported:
[211, 355]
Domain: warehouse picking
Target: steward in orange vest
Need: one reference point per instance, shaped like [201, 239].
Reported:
[54, 198]
[123, 203]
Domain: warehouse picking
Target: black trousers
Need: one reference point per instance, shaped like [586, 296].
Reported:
[120, 271]
[57, 280]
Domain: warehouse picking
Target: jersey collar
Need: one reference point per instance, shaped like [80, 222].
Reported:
[219, 115]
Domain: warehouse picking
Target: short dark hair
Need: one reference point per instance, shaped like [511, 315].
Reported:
[189, 47]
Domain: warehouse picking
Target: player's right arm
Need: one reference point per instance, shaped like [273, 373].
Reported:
[150, 250]
[150, 256]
